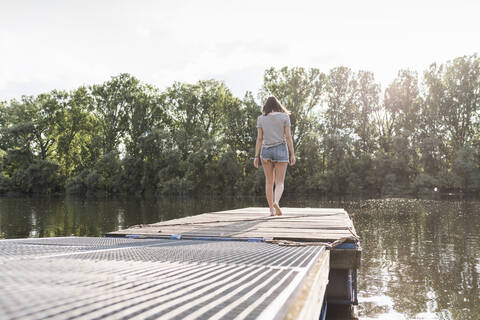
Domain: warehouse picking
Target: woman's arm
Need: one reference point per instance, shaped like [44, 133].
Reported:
[288, 136]
[258, 146]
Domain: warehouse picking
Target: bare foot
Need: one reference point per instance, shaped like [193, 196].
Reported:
[277, 209]
[272, 213]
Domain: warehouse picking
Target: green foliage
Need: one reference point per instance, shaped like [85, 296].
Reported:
[125, 136]
[76, 134]
[425, 183]
[78, 183]
[39, 177]
[111, 101]
[466, 169]
[107, 174]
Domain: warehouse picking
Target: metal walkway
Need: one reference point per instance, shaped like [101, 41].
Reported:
[118, 278]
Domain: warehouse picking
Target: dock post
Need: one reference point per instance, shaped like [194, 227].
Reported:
[342, 280]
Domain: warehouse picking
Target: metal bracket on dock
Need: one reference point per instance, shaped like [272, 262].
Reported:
[347, 245]
[135, 236]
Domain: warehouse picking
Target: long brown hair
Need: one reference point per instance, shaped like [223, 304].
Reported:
[272, 104]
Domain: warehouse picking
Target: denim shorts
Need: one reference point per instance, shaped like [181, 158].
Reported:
[276, 153]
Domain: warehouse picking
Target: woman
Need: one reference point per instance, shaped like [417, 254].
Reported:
[273, 136]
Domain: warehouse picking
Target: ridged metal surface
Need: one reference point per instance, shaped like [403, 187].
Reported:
[98, 278]
[45, 247]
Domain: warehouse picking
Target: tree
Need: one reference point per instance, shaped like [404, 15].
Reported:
[367, 104]
[32, 122]
[461, 106]
[27, 138]
[76, 134]
[401, 109]
[111, 100]
[432, 128]
[239, 129]
[197, 112]
[300, 91]
[146, 112]
[341, 91]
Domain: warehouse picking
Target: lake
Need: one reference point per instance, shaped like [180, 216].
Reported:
[420, 260]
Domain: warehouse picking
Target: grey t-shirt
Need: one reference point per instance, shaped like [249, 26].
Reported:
[273, 128]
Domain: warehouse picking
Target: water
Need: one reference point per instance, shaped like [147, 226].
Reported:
[420, 260]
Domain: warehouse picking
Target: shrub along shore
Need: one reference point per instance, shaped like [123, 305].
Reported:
[421, 133]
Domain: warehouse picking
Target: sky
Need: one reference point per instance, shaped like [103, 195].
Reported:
[63, 44]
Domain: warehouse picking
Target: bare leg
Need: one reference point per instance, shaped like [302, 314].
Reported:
[269, 176]
[279, 173]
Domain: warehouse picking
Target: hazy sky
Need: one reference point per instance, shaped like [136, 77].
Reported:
[63, 44]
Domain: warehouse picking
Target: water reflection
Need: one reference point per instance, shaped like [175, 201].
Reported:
[421, 258]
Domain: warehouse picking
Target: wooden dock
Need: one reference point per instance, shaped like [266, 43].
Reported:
[297, 226]
[237, 264]
[302, 224]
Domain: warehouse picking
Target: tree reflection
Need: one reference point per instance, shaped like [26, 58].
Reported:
[15, 218]
[422, 254]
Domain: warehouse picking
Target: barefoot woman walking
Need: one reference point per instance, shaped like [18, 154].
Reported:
[273, 137]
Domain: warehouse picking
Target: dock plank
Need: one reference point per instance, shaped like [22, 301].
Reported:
[310, 224]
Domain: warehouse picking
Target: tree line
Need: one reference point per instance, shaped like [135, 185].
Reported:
[421, 133]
